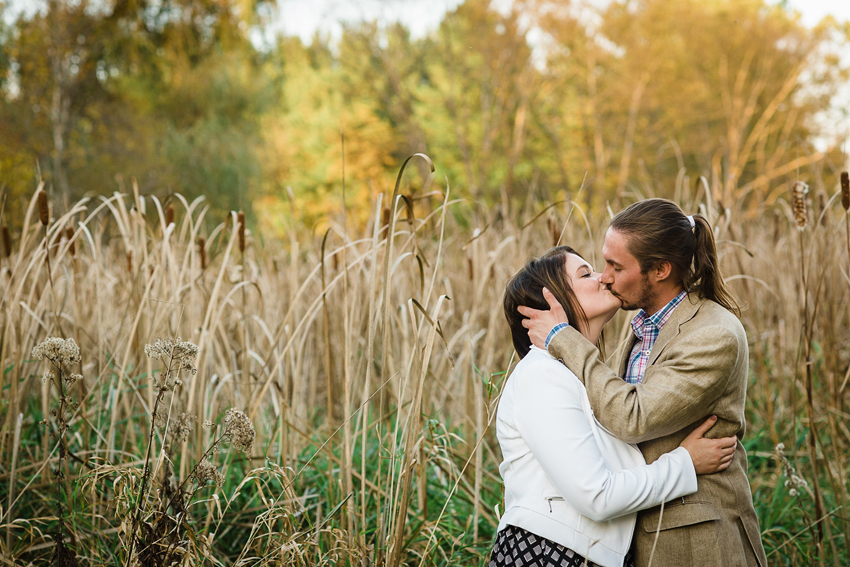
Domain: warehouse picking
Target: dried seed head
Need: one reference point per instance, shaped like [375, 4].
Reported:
[58, 351]
[69, 234]
[845, 190]
[240, 218]
[239, 430]
[202, 251]
[182, 426]
[43, 211]
[130, 261]
[7, 241]
[178, 355]
[169, 215]
[206, 472]
[798, 203]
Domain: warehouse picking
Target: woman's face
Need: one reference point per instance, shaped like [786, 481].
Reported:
[594, 298]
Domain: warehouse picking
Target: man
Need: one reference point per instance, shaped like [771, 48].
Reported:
[687, 360]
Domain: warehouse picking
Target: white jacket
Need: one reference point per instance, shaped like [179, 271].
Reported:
[566, 478]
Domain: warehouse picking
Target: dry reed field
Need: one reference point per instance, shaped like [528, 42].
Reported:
[231, 399]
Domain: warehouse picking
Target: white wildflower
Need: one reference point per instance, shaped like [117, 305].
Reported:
[176, 354]
[58, 351]
[47, 376]
[71, 378]
[793, 482]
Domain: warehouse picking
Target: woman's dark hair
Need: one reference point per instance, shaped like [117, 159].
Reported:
[526, 288]
[657, 231]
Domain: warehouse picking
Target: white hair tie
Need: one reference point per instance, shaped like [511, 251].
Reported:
[691, 220]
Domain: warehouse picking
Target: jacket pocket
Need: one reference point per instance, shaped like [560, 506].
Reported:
[677, 515]
[550, 499]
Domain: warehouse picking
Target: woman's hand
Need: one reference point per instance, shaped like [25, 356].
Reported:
[709, 455]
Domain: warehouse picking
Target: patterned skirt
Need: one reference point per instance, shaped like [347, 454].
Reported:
[516, 547]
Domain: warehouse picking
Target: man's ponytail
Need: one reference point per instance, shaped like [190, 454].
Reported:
[707, 281]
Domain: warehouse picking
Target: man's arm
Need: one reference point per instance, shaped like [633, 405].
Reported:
[676, 392]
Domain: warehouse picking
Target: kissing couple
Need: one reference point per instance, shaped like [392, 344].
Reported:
[637, 466]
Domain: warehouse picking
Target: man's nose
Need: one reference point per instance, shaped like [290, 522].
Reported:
[605, 277]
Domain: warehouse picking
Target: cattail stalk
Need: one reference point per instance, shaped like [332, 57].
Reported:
[202, 251]
[240, 218]
[845, 202]
[69, 234]
[798, 204]
[169, 215]
[800, 207]
[7, 241]
[43, 210]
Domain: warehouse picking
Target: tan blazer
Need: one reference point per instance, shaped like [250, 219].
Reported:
[697, 368]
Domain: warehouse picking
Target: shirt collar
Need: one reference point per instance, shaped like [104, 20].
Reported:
[657, 319]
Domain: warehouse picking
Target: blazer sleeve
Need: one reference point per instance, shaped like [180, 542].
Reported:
[676, 392]
[550, 418]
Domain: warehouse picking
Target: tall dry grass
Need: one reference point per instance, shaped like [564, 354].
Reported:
[370, 362]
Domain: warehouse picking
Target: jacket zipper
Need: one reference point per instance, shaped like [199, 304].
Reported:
[549, 500]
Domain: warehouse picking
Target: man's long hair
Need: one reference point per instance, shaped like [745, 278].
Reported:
[657, 230]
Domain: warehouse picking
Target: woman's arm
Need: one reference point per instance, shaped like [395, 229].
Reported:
[549, 415]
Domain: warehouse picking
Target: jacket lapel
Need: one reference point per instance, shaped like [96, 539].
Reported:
[681, 315]
[627, 352]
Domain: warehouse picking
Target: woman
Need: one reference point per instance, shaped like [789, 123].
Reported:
[572, 490]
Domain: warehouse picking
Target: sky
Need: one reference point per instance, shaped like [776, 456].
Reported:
[304, 17]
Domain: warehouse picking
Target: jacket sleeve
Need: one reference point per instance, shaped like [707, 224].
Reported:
[675, 393]
[550, 418]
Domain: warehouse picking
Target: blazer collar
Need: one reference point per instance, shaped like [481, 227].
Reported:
[681, 315]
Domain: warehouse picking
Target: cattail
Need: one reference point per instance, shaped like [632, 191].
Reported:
[43, 211]
[798, 203]
[240, 218]
[553, 230]
[469, 268]
[7, 241]
[845, 190]
[69, 234]
[130, 261]
[202, 251]
[169, 215]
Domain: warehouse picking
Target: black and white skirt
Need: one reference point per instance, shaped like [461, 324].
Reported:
[516, 547]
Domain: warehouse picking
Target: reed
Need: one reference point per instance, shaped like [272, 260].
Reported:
[369, 361]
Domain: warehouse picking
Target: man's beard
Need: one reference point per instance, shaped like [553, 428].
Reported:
[644, 298]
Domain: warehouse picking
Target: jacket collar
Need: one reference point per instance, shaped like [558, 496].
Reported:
[681, 315]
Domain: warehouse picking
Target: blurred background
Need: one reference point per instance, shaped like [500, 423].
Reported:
[244, 100]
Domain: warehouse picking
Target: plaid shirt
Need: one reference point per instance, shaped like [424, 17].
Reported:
[646, 329]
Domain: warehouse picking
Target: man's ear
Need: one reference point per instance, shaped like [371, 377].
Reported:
[662, 271]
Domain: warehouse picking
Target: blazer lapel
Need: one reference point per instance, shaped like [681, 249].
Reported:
[682, 314]
[627, 352]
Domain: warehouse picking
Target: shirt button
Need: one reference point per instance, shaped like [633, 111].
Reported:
[561, 360]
